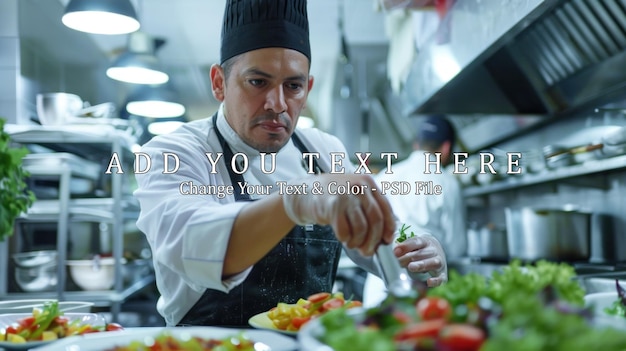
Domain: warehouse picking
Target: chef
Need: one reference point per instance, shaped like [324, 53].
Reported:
[223, 257]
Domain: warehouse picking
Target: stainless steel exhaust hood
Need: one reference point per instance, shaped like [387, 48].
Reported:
[534, 57]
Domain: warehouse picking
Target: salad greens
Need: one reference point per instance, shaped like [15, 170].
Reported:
[523, 307]
[15, 197]
[616, 309]
[43, 320]
[529, 324]
[514, 279]
[345, 335]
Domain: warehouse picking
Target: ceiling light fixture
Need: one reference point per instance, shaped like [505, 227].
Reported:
[139, 65]
[101, 17]
[155, 101]
[165, 125]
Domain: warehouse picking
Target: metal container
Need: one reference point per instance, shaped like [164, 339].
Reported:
[36, 271]
[487, 242]
[555, 234]
[57, 108]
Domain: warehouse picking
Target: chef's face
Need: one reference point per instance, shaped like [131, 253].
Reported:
[263, 92]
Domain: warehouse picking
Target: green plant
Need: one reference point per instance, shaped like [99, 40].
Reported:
[15, 198]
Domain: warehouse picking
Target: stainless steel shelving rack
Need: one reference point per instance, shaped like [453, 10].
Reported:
[517, 181]
[96, 142]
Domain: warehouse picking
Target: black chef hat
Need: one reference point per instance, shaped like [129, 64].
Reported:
[255, 24]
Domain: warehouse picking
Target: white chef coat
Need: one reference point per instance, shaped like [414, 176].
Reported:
[189, 234]
[443, 215]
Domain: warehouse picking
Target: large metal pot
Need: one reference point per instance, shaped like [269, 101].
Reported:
[488, 242]
[555, 234]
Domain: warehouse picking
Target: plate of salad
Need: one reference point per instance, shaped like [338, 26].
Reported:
[178, 338]
[23, 331]
[289, 318]
[518, 308]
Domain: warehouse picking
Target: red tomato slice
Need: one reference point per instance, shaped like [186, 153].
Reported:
[433, 308]
[61, 320]
[355, 303]
[319, 297]
[332, 304]
[26, 322]
[402, 317]
[113, 327]
[422, 329]
[11, 330]
[298, 322]
[460, 337]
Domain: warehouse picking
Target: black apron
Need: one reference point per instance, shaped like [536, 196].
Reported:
[303, 263]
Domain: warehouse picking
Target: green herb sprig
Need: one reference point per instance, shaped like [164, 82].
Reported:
[403, 233]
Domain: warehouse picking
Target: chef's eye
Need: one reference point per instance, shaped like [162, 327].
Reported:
[294, 86]
[256, 82]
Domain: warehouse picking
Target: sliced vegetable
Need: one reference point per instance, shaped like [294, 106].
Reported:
[460, 337]
[48, 323]
[419, 330]
[319, 297]
[292, 317]
[333, 303]
[433, 307]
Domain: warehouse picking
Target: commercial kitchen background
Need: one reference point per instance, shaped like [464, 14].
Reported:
[514, 76]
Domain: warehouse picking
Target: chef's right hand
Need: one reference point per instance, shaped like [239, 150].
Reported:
[361, 220]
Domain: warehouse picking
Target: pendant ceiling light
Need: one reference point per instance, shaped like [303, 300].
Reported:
[165, 125]
[101, 16]
[139, 64]
[156, 101]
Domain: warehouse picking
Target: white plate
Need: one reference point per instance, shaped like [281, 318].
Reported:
[600, 301]
[262, 321]
[26, 306]
[108, 340]
[308, 338]
[11, 318]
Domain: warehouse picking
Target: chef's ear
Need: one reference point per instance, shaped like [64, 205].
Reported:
[217, 81]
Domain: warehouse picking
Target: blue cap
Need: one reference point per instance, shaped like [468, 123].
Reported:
[436, 128]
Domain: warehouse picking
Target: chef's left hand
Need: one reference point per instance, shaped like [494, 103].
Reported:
[423, 253]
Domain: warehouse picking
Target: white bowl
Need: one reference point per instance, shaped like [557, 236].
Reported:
[35, 258]
[600, 301]
[36, 271]
[89, 275]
